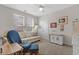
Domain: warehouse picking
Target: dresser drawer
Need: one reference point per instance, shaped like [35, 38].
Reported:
[60, 40]
[53, 39]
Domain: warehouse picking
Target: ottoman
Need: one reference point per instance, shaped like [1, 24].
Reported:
[34, 49]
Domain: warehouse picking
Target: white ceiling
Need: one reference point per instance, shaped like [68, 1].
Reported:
[34, 8]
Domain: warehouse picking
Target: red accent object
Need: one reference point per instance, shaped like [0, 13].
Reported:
[53, 25]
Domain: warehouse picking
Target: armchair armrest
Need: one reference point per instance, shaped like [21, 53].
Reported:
[4, 40]
[8, 48]
[31, 39]
[11, 48]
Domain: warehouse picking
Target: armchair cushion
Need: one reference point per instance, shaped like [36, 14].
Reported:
[34, 47]
[26, 46]
[13, 37]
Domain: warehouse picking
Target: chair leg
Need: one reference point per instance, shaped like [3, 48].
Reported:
[21, 52]
[24, 52]
[18, 53]
[34, 53]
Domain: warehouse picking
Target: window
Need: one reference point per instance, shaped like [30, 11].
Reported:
[33, 22]
[19, 22]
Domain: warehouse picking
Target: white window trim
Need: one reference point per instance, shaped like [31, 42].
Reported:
[18, 16]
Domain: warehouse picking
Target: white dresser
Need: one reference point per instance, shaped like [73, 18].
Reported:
[56, 38]
[75, 42]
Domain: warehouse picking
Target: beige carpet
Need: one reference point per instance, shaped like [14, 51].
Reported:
[47, 48]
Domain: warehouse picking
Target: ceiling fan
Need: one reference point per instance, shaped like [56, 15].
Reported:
[41, 8]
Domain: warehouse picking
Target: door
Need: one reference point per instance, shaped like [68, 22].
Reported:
[76, 26]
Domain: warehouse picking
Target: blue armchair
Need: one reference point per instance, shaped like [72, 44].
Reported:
[13, 37]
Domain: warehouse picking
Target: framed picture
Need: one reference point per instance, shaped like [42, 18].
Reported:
[63, 20]
[53, 25]
[61, 27]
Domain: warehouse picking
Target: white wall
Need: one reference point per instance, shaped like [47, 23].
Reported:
[43, 24]
[7, 20]
[72, 13]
